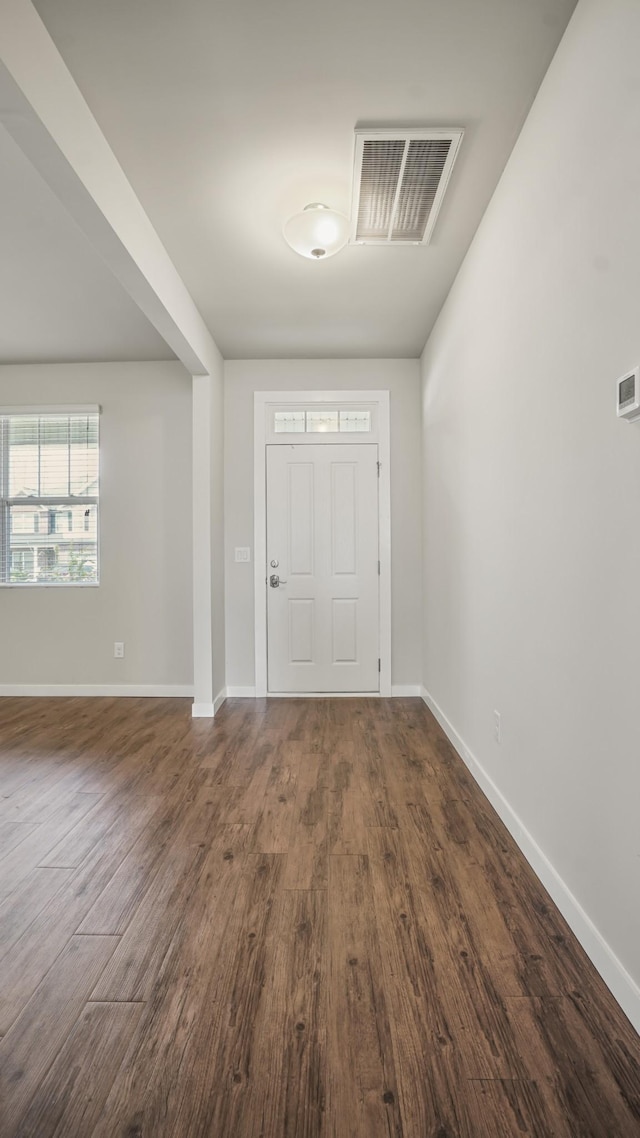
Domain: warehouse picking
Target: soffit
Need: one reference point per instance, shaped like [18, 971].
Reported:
[59, 301]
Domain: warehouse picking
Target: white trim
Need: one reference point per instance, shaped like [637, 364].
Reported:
[50, 584]
[202, 711]
[208, 710]
[241, 692]
[259, 543]
[622, 986]
[384, 455]
[53, 409]
[126, 690]
[406, 690]
[201, 540]
[261, 398]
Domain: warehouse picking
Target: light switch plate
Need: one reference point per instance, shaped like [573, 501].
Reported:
[243, 553]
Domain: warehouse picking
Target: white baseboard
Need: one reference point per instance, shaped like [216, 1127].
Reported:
[622, 986]
[406, 690]
[202, 711]
[125, 690]
[240, 693]
[209, 710]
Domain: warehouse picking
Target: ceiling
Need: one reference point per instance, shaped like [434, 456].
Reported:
[230, 115]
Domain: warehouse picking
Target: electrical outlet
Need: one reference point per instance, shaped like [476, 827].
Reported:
[118, 650]
[497, 726]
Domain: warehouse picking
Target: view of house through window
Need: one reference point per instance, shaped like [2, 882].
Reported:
[49, 498]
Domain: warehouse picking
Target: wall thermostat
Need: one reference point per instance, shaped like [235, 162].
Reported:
[628, 395]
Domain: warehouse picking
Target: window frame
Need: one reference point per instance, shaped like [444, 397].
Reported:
[45, 501]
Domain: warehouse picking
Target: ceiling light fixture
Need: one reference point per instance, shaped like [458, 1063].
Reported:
[317, 231]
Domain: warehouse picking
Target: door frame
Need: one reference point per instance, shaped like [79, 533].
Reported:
[263, 400]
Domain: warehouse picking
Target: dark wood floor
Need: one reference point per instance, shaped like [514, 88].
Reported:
[300, 920]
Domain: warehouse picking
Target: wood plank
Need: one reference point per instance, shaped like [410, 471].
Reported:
[179, 1053]
[295, 1019]
[70, 1099]
[230, 1050]
[48, 1017]
[241, 805]
[243, 751]
[471, 999]
[308, 860]
[186, 894]
[126, 890]
[26, 903]
[347, 818]
[417, 974]
[77, 844]
[27, 856]
[215, 804]
[512, 1106]
[39, 800]
[308, 863]
[45, 938]
[597, 1096]
[278, 1070]
[362, 1089]
[11, 834]
[272, 832]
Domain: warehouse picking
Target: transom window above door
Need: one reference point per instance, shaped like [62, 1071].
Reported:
[334, 421]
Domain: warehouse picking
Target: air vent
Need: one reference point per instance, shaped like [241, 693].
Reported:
[400, 177]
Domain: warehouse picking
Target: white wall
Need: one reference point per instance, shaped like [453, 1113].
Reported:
[66, 635]
[532, 487]
[402, 379]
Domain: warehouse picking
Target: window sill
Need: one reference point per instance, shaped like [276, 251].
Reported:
[49, 584]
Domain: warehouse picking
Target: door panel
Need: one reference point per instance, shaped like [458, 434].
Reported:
[322, 530]
[344, 626]
[300, 493]
[300, 614]
[343, 517]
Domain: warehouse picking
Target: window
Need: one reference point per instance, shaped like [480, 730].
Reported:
[333, 421]
[49, 496]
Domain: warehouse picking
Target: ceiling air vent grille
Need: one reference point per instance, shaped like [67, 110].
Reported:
[399, 182]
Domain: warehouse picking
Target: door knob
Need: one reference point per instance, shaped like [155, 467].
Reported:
[275, 581]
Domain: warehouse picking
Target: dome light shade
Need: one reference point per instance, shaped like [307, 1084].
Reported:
[317, 232]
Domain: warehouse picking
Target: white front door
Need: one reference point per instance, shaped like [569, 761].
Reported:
[322, 568]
